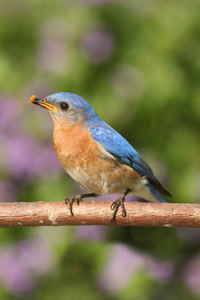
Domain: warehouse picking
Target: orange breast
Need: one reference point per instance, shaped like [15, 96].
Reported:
[73, 145]
[86, 163]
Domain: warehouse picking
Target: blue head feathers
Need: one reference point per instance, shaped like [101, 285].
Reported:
[75, 109]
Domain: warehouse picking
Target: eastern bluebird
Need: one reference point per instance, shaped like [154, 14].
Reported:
[95, 155]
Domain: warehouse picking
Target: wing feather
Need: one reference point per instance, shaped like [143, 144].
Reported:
[119, 147]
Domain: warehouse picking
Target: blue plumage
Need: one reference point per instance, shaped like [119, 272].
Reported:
[105, 162]
[119, 147]
[110, 139]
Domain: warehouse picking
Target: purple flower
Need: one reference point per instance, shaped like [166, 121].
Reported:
[23, 263]
[36, 256]
[21, 156]
[25, 158]
[9, 112]
[98, 45]
[96, 233]
[191, 274]
[161, 271]
[13, 276]
[123, 264]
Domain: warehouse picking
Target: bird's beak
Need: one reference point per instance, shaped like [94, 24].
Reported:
[42, 102]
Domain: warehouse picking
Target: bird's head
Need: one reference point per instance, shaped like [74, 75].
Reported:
[67, 106]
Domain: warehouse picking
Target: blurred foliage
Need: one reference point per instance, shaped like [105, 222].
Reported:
[138, 64]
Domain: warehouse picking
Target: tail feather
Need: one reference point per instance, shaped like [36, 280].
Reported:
[156, 193]
[158, 186]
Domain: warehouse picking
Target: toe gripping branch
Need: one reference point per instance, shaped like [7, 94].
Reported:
[114, 206]
[117, 203]
[78, 199]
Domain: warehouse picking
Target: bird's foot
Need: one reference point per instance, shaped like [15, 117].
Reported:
[115, 206]
[71, 201]
[78, 199]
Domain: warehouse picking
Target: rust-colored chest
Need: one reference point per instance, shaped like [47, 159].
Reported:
[73, 145]
[88, 163]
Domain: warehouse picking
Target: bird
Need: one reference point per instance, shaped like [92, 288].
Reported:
[96, 156]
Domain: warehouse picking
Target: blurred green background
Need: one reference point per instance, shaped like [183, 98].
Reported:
[138, 64]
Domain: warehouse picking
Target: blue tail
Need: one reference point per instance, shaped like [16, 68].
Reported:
[156, 193]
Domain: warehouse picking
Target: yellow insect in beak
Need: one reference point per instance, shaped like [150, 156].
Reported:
[42, 102]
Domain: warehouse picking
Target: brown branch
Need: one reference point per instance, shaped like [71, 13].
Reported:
[25, 214]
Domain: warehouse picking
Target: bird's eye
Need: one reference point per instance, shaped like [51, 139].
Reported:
[64, 106]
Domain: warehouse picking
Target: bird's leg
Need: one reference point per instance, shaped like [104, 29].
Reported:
[117, 203]
[77, 199]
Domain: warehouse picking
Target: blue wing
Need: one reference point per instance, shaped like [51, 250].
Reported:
[119, 147]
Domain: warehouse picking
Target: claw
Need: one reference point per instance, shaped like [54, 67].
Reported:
[71, 201]
[78, 199]
[115, 206]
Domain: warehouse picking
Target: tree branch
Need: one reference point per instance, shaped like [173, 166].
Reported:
[25, 214]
